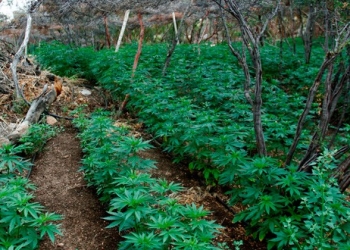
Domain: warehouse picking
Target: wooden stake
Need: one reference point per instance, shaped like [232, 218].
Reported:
[126, 17]
[108, 36]
[122, 106]
[139, 49]
[175, 26]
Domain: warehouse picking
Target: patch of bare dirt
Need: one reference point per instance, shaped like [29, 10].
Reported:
[62, 189]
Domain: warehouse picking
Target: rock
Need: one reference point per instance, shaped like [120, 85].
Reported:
[6, 129]
[85, 92]
[4, 141]
[20, 130]
[51, 120]
[12, 126]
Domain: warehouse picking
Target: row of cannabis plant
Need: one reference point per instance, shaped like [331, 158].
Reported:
[23, 223]
[143, 208]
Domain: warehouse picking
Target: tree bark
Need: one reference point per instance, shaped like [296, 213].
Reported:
[108, 36]
[312, 93]
[251, 42]
[32, 7]
[37, 107]
[139, 48]
[331, 97]
[344, 178]
[308, 33]
[18, 56]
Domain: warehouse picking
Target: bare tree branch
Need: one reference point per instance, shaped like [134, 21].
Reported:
[242, 60]
[268, 20]
[251, 42]
[328, 61]
[17, 57]
[175, 41]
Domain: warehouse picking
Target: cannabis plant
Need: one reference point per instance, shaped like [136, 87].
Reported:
[290, 208]
[22, 222]
[139, 205]
[36, 137]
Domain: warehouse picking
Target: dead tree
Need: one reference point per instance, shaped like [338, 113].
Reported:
[251, 42]
[31, 9]
[48, 95]
[37, 107]
[18, 55]
[334, 73]
[175, 41]
[307, 32]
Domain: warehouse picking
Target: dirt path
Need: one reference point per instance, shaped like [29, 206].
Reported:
[61, 189]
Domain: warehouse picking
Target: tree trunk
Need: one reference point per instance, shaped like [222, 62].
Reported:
[37, 107]
[344, 178]
[259, 133]
[251, 42]
[291, 10]
[108, 36]
[18, 56]
[333, 90]
[139, 48]
[312, 93]
[308, 33]
[330, 101]
[242, 60]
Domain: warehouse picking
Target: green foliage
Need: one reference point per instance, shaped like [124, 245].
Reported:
[199, 113]
[111, 152]
[301, 210]
[19, 106]
[22, 222]
[66, 61]
[140, 205]
[10, 162]
[36, 137]
[198, 109]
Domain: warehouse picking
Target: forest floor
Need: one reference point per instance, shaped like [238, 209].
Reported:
[61, 188]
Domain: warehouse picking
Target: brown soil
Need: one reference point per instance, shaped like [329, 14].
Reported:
[62, 189]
